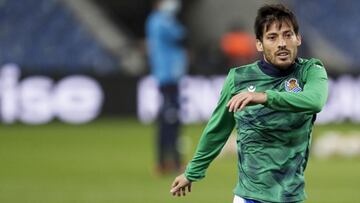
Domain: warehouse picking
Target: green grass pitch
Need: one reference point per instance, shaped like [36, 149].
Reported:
[112, 160]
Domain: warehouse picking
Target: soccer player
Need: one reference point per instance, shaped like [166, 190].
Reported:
[273, 104]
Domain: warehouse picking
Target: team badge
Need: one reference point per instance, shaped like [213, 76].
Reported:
[292, 85]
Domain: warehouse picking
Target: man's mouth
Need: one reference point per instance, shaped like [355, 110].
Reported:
[283, 54]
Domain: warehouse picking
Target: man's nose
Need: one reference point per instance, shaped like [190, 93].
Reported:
[282, 43]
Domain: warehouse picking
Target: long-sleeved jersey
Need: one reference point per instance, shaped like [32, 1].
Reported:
[273, 139]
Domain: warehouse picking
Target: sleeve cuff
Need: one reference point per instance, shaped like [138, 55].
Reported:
[270, 97]
[192, 177]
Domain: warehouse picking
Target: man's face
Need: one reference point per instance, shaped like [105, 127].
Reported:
[279, 44]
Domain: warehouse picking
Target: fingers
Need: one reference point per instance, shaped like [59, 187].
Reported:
[245, 102]
[182, 191]
[241, 100]
[235, 102]
[174, 186]
[178, 187]
[238, 102]
[174, 183]
[175, 190]
[178, 191]
[231, 103]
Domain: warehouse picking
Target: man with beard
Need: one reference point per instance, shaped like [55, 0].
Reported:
[272, 103]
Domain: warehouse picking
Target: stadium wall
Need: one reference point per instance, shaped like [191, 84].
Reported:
[81, 98]
[70, 98]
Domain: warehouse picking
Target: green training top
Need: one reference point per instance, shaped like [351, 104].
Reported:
[272, 139]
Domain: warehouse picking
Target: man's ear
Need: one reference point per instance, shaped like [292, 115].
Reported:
[259, 46]
[298, 38]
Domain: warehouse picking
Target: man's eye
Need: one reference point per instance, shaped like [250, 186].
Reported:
[288, 35]
[271, 38]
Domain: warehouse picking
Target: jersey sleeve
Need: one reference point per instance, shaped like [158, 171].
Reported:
[215, 134]
[311, 100]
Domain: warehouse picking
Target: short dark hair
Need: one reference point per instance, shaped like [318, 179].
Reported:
[270, 13]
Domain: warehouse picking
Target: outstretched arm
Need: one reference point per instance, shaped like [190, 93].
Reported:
[211, 142]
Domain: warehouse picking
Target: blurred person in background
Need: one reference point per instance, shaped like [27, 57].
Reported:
[273, 104]
[168, 63]
[238, 46]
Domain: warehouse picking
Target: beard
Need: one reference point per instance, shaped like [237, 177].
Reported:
[280, 61]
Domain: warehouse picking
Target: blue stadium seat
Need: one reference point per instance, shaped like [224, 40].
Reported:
[337, 21]
[45, 36]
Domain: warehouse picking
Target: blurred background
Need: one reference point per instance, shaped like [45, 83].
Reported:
[78, 105]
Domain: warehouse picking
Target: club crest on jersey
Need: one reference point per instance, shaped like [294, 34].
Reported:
[292, 85]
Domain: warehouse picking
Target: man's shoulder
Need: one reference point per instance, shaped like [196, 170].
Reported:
[245, 72]
[310, 62]
[246, 67]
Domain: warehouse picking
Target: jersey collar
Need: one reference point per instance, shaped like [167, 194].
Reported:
[273, 71]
